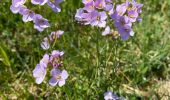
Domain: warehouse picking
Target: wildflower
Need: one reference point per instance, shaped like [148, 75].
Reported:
[16, 10]
[55, 35]
[110, 96]
[45, 60]
[99, 19]
[89, 7]
[55, 58]
[109, 8]
[125, 32]
[100, 4]
[39, 73]
[133, 15]
[58, 77]
[40, 23]
[45, 44]
[121, 9]
[40, 2]
[17, 3]
[28, 15]
[79, 14]
[55, 5]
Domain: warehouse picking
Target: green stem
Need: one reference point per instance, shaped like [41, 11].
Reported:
[97, 53]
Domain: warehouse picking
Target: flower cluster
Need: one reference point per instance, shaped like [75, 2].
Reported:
[96, 12]
[53, 59]
[124, 15]
[51, 39]
[40, 23]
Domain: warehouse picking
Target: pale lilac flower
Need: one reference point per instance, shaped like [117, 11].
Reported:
[122, 21]
[99, 19]
[40, 23]
[16, 10]
[100, 4]
[39, 73]
[58, 77]
[55, 35]
[55, 58]
[110, 96]
[79, 14]
[45, 60]
[121, 9]
[125, 32]
[89, 7]
[86, 1]
[133, 15]
[39, 2]
[106, 31]
[45, 44]
[109, 8]
[17, 3]
[55, 5]
[28, 15]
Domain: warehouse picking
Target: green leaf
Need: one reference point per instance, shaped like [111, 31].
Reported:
[4, 57]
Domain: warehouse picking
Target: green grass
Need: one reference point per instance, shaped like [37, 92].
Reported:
[117, 65]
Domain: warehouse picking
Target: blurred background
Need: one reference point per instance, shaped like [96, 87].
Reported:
[136, 69]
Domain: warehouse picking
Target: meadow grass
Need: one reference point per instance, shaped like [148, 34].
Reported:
[132, 69]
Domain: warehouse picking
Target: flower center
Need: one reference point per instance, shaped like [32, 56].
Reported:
[58, 77]
[98, 18]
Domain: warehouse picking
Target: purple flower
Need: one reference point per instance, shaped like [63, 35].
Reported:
[100, 4]
[125, 32]
[28, 15]
[86, 1]
[39, 2]
[99, 19]
[110, 96]
[55, 58]
[133, 15]
[16, 10]
[106, 31]
[45, 44]
[45, 60]
[58, 77]
[40, 23]
[17, 3]
[55, 5]
[39, 73]
[121, 9]
[89, 7]
[121, 21]
[55, 35]
[79, 14]
[109, 8]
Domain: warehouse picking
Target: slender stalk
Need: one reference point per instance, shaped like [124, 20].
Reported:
[97, 53]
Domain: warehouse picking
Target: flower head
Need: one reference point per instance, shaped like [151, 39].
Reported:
[99, 19]
[39, 73]
[40, 23]
[45, 44]
[58, 77]
[55, 35]
[110, 96]
[45, 60]
[100, 4]
[28, 15]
